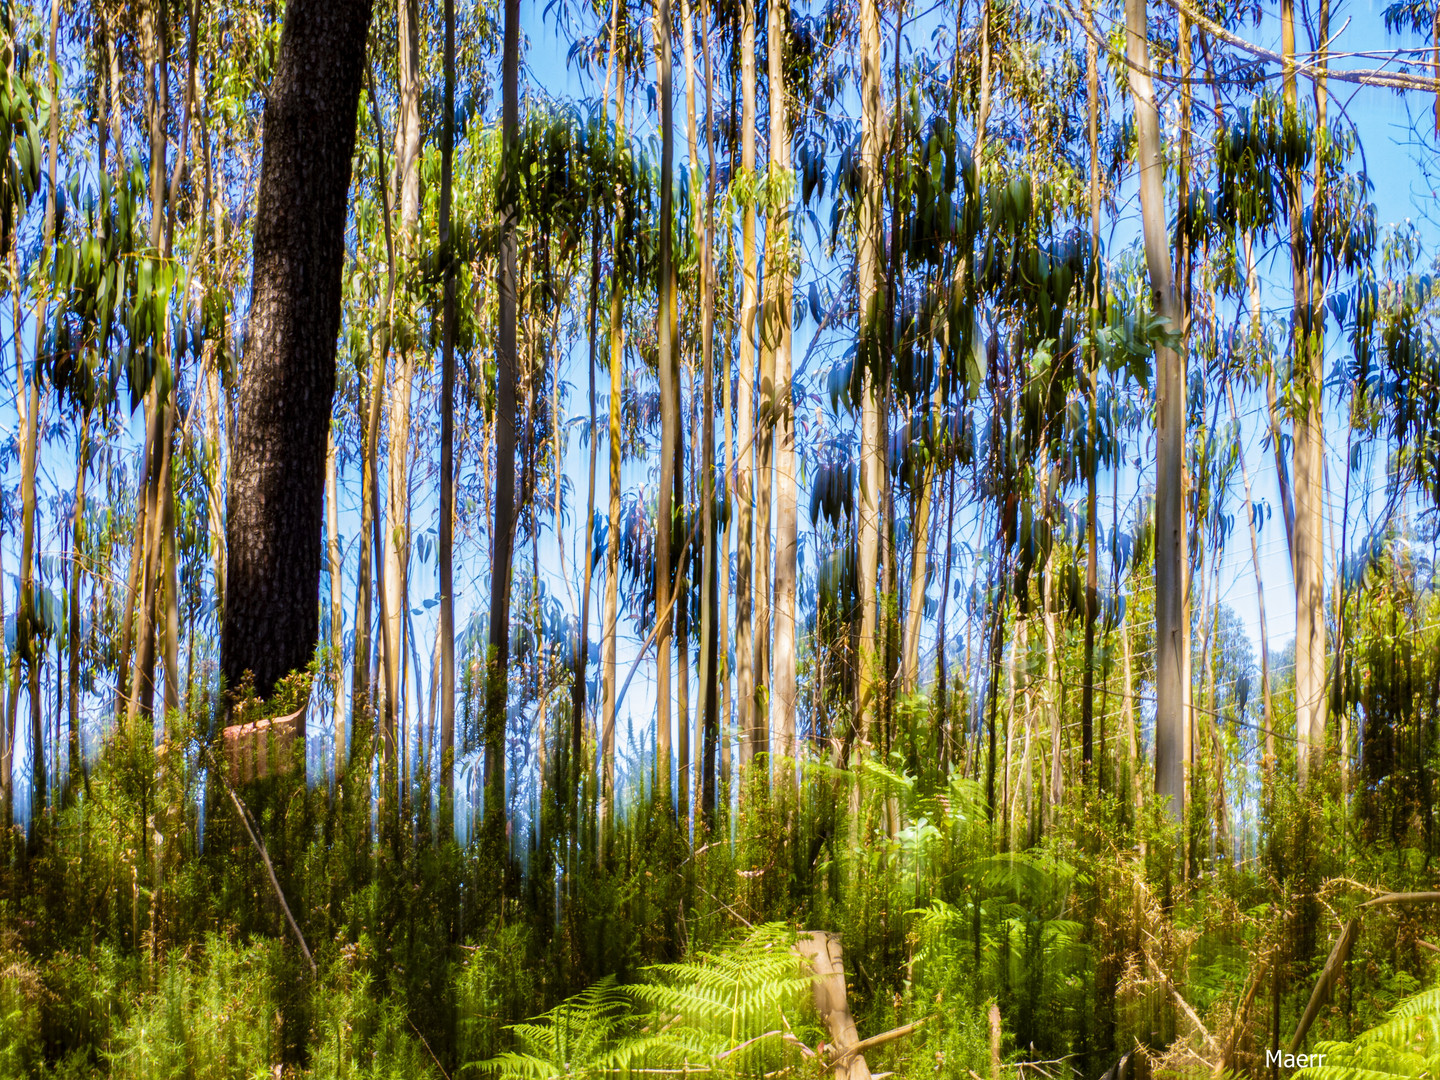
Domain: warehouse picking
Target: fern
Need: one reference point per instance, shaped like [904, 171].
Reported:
[592, 1034]
[733, 1005]
[1406, 1044]
[724, 1010]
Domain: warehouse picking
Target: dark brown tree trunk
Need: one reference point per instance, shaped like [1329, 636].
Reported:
[277, 478]
[502, 537]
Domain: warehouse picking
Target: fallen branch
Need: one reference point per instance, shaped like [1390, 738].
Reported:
[244, 816]
[1386, 899]
[1227, 1060]
[1190, 1013]
[881, 1039]
[1340, 952]
[751, 1042]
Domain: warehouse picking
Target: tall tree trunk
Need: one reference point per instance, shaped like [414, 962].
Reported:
[1172, 633]
[502, 535]
[705, 460]
[612, 552]
[1309, 435]
[746, 677]
[447, 446]
[920, 546]
[160, 418]
[764, 486]
[1092, 457]
[401, 384]
[77, 557]
[370, 576]
[1269, 760]
[873, 471]
[725, 735]
[611, 614]
[942, 725]
[171, 561]
[582, 645]
[277, 473]
[666, 579]
[780, 268]
[337, 605]
[1184, 299]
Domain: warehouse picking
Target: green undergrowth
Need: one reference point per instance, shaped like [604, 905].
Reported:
[140, 936]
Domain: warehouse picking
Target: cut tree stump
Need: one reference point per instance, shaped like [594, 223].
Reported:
[264, 748]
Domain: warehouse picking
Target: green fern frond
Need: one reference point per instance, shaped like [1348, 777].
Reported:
[1406, 1044]
[1425, 1003]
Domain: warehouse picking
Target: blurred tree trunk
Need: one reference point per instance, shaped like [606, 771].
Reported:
[746, 677]
[612, 548]
[160, 410]
[278, 457]
[725, 734]
[1172, 634]
[1309, 434]
[579, 691]
[401, 384]
[611, 614]
[780, 267]
[446, 538]
[1092, 366]
[666, 578]
[873, 471]
[704, 797]
[502, 534]
[76, 574]
[925, 479]
[337, 605]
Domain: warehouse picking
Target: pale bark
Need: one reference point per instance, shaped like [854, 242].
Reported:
[666, 579]
[920, 547]
[612, 543]
[823, 953]
[1172, 634]
[779, 269]
[446, 538]
[1311, 699]
[725, 733]
[746, 677]
[401, 382]
[706, 733]
[873, 473]
[1091, 457]
[337, 606]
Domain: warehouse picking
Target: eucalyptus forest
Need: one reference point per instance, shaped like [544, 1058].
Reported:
[753, 538]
